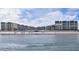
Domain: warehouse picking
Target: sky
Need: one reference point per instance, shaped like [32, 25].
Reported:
[38, 16]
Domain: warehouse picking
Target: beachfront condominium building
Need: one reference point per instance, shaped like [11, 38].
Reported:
[58, 25]
[66, 25]
[3, 26]
[8, 26]
[12, 26]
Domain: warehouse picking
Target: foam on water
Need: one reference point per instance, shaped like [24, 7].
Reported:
[11, 46]
[14, 46]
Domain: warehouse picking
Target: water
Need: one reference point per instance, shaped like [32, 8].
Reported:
[63, 42]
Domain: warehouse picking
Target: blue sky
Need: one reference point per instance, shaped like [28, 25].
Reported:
[38, 16]
[34, 13]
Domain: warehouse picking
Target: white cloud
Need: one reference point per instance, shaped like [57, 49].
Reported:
[9, 15]
[50, 19]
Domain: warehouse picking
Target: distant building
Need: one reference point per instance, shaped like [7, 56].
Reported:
[11, 26]
[66, 25]
[50, 28]
[40, 28]
[3, 26]
[8, 26]
[21, 27]
[58, 25]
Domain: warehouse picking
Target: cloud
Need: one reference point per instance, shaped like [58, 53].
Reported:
[50, 19]
[10, 15]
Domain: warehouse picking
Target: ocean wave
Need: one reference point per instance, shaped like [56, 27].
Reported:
[14, 46]
[11, 46]
[35, 45]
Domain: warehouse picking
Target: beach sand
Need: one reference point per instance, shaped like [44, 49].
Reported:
[38, 33]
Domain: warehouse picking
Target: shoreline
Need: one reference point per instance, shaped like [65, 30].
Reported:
[37, 33]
